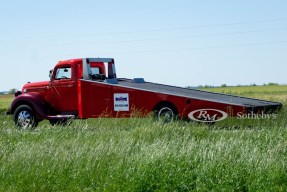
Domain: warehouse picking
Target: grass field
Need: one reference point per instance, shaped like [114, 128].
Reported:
[144, 155]
[5, 101]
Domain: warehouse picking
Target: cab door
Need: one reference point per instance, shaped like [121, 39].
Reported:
[64, 89]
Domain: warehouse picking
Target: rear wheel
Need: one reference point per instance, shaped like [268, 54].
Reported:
[24, 117]
[166, 113]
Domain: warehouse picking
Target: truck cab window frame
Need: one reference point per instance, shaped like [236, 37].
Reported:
[63, 73]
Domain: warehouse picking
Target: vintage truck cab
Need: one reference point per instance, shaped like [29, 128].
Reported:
[57, 99]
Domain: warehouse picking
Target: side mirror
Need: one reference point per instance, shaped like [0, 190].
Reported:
[50, 74]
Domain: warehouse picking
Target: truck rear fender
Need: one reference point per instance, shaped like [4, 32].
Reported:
[32, 100]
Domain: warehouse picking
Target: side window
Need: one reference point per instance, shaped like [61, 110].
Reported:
[95, 70]
[63, 73]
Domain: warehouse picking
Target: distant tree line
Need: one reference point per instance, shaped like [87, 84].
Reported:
[11, 91]
[225, 85]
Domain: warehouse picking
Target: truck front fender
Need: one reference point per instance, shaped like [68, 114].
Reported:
[34, 101]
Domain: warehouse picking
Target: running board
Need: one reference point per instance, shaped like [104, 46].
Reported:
[50, 117]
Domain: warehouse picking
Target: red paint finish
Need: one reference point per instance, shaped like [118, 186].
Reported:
[99, 101]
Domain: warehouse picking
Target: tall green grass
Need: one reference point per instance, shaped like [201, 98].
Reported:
[5, 101]
[140, 154]
[275, 93]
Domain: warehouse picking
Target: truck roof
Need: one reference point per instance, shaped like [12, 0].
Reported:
[79, 60]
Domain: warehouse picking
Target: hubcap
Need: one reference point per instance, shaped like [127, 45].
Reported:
[24, 119]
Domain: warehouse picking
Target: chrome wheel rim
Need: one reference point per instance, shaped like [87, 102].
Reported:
[165, 115]
[24, 119]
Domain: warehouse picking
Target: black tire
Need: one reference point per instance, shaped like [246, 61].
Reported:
[166, 113]
[24, 117]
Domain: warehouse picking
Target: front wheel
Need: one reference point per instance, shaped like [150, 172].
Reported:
[24, 117]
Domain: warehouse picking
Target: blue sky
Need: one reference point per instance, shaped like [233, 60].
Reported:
[182, 43]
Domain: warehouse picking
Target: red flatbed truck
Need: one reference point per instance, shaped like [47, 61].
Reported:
[89, 88]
